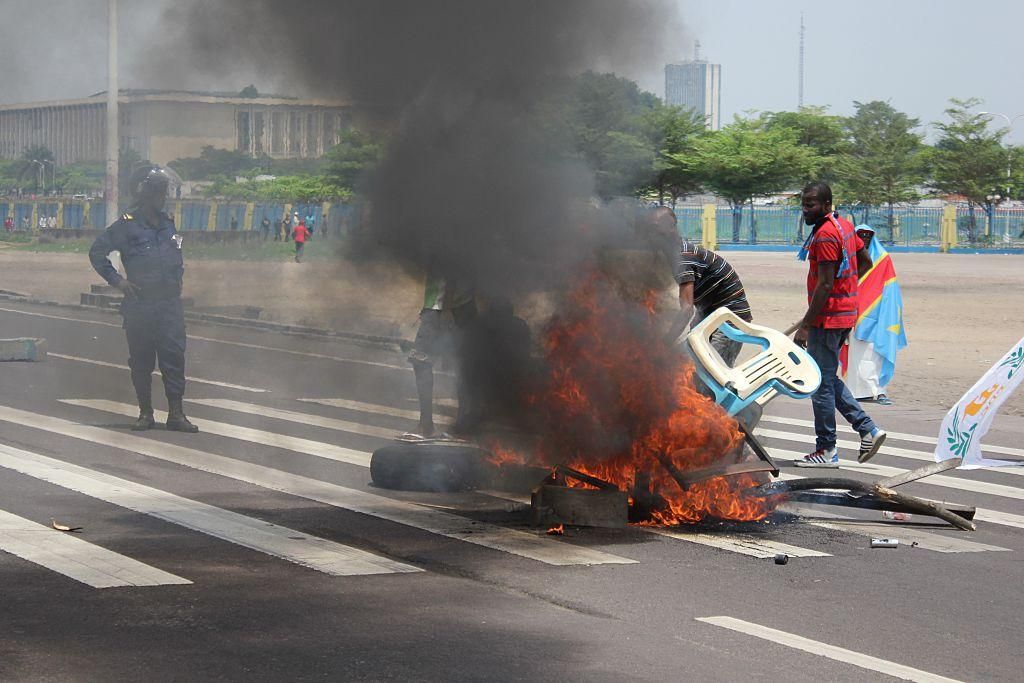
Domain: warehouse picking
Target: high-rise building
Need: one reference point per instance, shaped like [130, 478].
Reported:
[696, 85]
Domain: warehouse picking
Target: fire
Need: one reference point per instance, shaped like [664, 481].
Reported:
[557, 530]
[617, 397]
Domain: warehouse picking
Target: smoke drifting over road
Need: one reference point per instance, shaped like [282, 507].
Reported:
[470, 185]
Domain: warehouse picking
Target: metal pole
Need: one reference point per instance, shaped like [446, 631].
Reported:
[113, 146]
[112, 136]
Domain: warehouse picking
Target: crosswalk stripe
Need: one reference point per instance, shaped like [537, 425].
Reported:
[76, 558]
[364, 407]
[318, 449]
[197, 380]
[881, 471]
[815, 647]
[525, 544]
[886, 449]
[980, 515]
[907, 534]
[744, 544]
[265, 537]
[901, 436]
[293, 416]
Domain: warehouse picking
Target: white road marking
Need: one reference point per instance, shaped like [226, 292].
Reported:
[76, 558]
[744, 544]
[902, 436]
[244, 345]
[364, 407]
[316, 553]
[815, 647]
[300, 418]
[1000, 490]
[980, 514]
[534, 546]
[317, 449]
[105, 364]
[906, 533]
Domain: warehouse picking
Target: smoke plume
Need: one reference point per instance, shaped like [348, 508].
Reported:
[472, 186]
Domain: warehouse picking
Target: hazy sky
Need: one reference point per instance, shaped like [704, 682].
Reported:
[914, 53]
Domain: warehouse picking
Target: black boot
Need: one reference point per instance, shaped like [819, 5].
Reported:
[176, 420]
[145, 420]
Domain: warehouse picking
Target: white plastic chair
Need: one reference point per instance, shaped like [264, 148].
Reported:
[780, 367]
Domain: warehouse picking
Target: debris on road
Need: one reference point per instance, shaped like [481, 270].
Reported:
[782, 558]
[884, 543]
[63, 527]
[22, 349]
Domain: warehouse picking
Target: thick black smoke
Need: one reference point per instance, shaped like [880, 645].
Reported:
[472, 186]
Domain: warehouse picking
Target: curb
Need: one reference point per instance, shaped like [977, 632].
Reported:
[377, 341]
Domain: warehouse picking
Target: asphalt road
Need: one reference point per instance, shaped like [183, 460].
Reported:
[258, 550]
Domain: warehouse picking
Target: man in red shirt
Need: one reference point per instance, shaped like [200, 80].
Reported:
[837, 259]
[300, 234]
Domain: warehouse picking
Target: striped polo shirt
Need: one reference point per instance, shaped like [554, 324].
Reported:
[715, 283]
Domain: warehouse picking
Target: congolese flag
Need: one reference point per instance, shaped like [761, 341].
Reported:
[880, 310]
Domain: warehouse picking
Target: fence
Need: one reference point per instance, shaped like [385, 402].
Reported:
[911, 226]
[330, 219]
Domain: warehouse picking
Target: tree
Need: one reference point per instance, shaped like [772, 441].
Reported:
[249, 91]
[968, 160]
[672, 132]
[212, 162]
[883, 163]
[815, 128]
[746, 160]
[35, 163]
[351, 159]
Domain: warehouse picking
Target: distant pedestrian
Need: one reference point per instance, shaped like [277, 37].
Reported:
[301, 234]
[42, 221]
[26, 223]
[285, 228]
[51, 222]
[9, 225]
[265, 228]
[311, 223]
[234, 222]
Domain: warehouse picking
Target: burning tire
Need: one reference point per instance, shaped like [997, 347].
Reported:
[430, 467]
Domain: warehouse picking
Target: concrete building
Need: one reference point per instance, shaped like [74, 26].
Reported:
[696, 85]
[165, 125]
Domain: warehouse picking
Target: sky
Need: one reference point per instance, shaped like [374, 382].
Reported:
[915, 54]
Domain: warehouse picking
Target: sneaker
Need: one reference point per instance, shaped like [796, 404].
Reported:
[870, 443]
[820, 458]
[883, 400]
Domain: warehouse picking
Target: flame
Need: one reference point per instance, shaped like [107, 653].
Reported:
[617, 397]
[557, 530]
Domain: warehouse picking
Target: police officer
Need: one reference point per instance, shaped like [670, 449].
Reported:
[153, 318]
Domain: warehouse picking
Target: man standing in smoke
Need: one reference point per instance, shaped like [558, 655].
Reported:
[154, 321]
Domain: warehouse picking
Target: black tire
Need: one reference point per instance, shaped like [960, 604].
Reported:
[430, 467]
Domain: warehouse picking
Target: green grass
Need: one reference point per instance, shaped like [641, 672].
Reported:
[316, 250]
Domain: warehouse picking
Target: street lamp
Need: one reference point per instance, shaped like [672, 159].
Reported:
[1009, 157]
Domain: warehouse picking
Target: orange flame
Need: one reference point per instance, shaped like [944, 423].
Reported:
[617, 397]
[557, 530]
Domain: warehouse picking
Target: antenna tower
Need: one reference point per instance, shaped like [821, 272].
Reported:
[696, 50]
[800, 87]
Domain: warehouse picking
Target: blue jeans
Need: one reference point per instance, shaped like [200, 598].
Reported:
[823, 345]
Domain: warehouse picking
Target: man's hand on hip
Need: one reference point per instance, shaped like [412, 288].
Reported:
[128, 288]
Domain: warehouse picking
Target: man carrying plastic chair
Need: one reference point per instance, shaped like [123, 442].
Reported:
[706, 282]
[837, 259]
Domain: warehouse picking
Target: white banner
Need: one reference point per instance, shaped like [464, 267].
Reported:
[968, 421]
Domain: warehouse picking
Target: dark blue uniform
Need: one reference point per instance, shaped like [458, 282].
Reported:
[153, 321]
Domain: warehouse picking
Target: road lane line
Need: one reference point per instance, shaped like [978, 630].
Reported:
[901, 436]
[197, 380]
[535, 546]
[316, 553]
[815, 647]
[300, 418]
[744, 544]
[245, 345]
[317, 449]
[76, 558]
